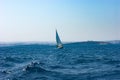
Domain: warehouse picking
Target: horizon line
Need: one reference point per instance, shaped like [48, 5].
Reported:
[51, 41]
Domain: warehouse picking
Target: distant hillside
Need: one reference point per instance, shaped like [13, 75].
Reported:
[96, 42]
[114, 42]
[90, 43]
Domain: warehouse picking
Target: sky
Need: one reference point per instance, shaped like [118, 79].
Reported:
[75, 20]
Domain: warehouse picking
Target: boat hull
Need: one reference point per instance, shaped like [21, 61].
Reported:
[59, 47]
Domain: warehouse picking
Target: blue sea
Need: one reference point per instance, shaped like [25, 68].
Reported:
[76, 61]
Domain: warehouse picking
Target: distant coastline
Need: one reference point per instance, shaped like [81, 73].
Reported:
[53, 43]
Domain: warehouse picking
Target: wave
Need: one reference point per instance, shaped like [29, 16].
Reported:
[73, 62]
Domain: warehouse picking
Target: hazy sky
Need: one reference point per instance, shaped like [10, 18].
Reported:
[75, 20]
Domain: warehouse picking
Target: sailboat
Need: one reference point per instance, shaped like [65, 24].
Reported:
[58, 41]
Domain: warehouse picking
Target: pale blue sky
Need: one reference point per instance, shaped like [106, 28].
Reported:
[75, 20]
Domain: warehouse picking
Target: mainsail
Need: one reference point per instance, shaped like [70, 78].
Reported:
[59, 43]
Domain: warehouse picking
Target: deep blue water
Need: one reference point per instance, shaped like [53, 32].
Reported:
[74, 62]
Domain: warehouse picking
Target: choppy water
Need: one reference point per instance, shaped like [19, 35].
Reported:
[73, 62]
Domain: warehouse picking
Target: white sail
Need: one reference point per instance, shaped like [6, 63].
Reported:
[59, 43]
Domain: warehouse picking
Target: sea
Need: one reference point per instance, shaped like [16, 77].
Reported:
[75, 61]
